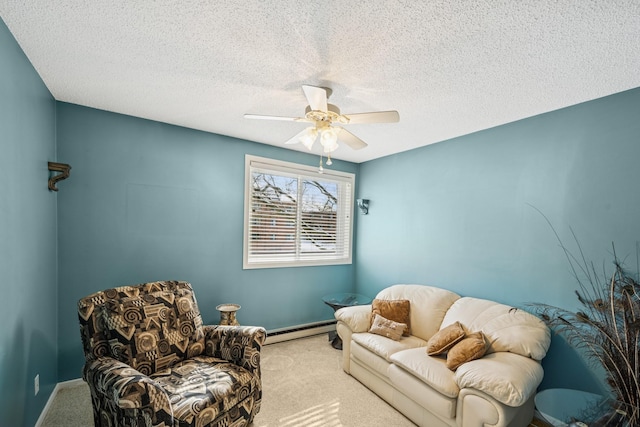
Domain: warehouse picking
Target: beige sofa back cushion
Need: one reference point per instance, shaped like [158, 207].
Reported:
[428, 306]
[506, 328]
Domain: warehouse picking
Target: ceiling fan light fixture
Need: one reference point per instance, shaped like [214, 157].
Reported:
[309, 137]
[329, 139]
[322, 116]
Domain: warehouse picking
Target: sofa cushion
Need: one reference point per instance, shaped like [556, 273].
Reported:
[432, 371]
[384, 347]
[444, 339]
[427, 397]
[396, 310]
[428, 306]
[472, 347]
[373, 362]
[387, 328]
[507, 377]
[506, 328]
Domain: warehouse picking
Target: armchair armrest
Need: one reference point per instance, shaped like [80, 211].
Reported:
[127, 387]
[357, 317]
[238, 344]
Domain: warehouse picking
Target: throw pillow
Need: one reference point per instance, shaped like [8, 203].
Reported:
[387, 328]
[472, 347]
[396, 310]
[444, 339]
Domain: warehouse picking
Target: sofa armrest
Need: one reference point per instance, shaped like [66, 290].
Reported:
[238, 344]
[478, 409]
[357, 318]
[125, 386]
[509, 378]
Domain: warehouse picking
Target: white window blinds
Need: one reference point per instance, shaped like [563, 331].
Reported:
[295, 216]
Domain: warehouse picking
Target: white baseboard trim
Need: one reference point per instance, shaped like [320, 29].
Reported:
[300, 331]
[55, 391]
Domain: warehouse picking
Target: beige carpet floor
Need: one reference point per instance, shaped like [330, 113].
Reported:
[303, 386]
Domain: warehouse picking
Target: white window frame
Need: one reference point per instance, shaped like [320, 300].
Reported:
[345, 180]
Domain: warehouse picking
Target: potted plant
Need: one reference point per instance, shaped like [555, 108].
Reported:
[606, 330]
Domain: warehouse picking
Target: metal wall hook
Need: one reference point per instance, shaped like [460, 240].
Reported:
[58, 167]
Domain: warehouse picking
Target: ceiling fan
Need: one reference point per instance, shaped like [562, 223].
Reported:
[324, 117]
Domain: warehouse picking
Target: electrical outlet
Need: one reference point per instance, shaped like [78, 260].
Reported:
[36, 384]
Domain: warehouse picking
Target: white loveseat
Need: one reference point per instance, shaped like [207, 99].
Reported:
[495, 390]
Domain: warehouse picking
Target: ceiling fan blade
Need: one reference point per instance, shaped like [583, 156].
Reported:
[316, 96]
[296, 139]
[374, 117]
[288, 119]
[350, 139]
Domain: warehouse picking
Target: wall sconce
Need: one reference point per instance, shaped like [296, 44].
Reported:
[63, 168]
[363, 204]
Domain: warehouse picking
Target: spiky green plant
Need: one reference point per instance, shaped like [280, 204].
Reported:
[606, 330]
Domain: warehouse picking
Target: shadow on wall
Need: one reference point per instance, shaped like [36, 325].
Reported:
[12, 384]
[564, 367]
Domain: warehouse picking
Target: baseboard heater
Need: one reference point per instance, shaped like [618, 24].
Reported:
[300, 331]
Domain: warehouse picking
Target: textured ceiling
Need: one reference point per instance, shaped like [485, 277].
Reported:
[450, 67]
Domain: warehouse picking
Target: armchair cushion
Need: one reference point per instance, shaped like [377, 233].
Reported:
[204, 387]
[152, 331]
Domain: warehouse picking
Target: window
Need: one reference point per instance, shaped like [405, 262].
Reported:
[295, 216]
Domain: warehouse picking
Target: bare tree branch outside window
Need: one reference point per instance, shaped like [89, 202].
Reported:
[279, 203]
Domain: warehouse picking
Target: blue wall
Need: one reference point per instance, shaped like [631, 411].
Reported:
[459, 214]
[28, 313]
[150, 201]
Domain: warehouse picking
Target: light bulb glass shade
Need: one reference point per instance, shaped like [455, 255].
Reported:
[309, 137]
[329, 139]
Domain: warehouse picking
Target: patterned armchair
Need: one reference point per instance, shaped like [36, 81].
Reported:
[151, 362]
